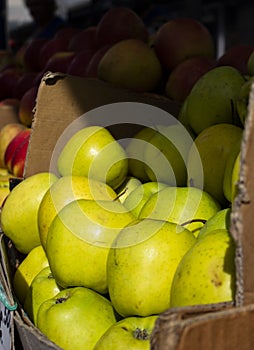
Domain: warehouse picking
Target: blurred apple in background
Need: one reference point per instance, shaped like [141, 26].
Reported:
[92, 67]
[79, 63]
[13, 146]
[60, 61]
[24, 83]
[67, 32]
[50, 48]
[236, 56]
[30, 56]
[184, 76]
[180, 38]
[8, 79]
[83, 40]
[9, 111]
[120, 23]
[27, 104]
[6, 58]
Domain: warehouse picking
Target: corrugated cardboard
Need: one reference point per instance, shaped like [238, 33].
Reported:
[61, 100]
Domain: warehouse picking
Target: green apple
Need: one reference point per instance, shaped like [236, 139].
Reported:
[212, 147]
[32, 264]
[188, 206]
[43, 287]
[212, 100]
[166, 154]
[20, 211]
[127, 187]
[132, 333]
[75, 318]
[142, 263]
[206, 273]
[242, 101]
[235, 176]
[228, 174]
[65, 190]
[250, 64]
[79, 239]
[183, 118]
[95, 153]
[136, 200]
[135, 153]
[220, 220]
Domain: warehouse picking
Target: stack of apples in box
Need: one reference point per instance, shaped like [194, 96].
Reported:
[123, 231]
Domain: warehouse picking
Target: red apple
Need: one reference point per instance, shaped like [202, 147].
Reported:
[181, 38]
[236, 56]
[92, 67]
[83, 40]
[27, 104]
[184, 75]
[13, 146]
[7, 133]
[8, 79]
[24, 83]
[52, 46]
[31, 54]
[120, 23]
[60, 61]
[79, 63]
[19, 159]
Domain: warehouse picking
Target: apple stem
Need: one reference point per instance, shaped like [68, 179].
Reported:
[193, 220]
[141, 334]
[61, 300]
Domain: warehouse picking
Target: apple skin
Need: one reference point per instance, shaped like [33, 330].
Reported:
[60, 61]
[129, 185]
[236, 56]
[8, 79]
[32, 264]
[7, 133]
[79, 63]
[19, 158]
[83, 40]
[50, 47]
[9, 107]
[42, 288]
[132, 333]
[94, 152]
[24, 83]
[242, 100]
[193, 39]
[27, 104]
[221, 220]
[65, 190]
[31, 57]
[206, 274]
[13, 145]
[79, 239]
[92, 66]
[142, 251]
[182, 78]
[181, 205]
[120, 23]
[74, 317]
[21, 207]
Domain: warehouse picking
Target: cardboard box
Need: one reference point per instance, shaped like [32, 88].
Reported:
[60, 103]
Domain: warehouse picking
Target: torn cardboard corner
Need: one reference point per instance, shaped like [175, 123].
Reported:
[62, 99]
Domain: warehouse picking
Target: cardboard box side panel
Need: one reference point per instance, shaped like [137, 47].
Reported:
[82, 95]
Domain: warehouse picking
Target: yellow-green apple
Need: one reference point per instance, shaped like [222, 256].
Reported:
[183, 118]
[143, 251]
[132, 333]
[83, 40]
[131, 64]
[180, 38]
[20, 211]
[32, 264]
[7, 133]
[220, 220]
[206, 273]
[94, 152]
[250, 64]
[75, 317]
[188, 206]
[242, 100]
[236, 176]
[140, 195]
[212, 100]
[65, 190]
[135, 153]
[120, 23]
[165, 155]
[182, 78]
[79, 63]
[13, 146]
[212, 148]
[27, 104]
[92, 66]
[236, 56]
[42, 288]
[79, 239]
[60, 61]
[127, 187]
